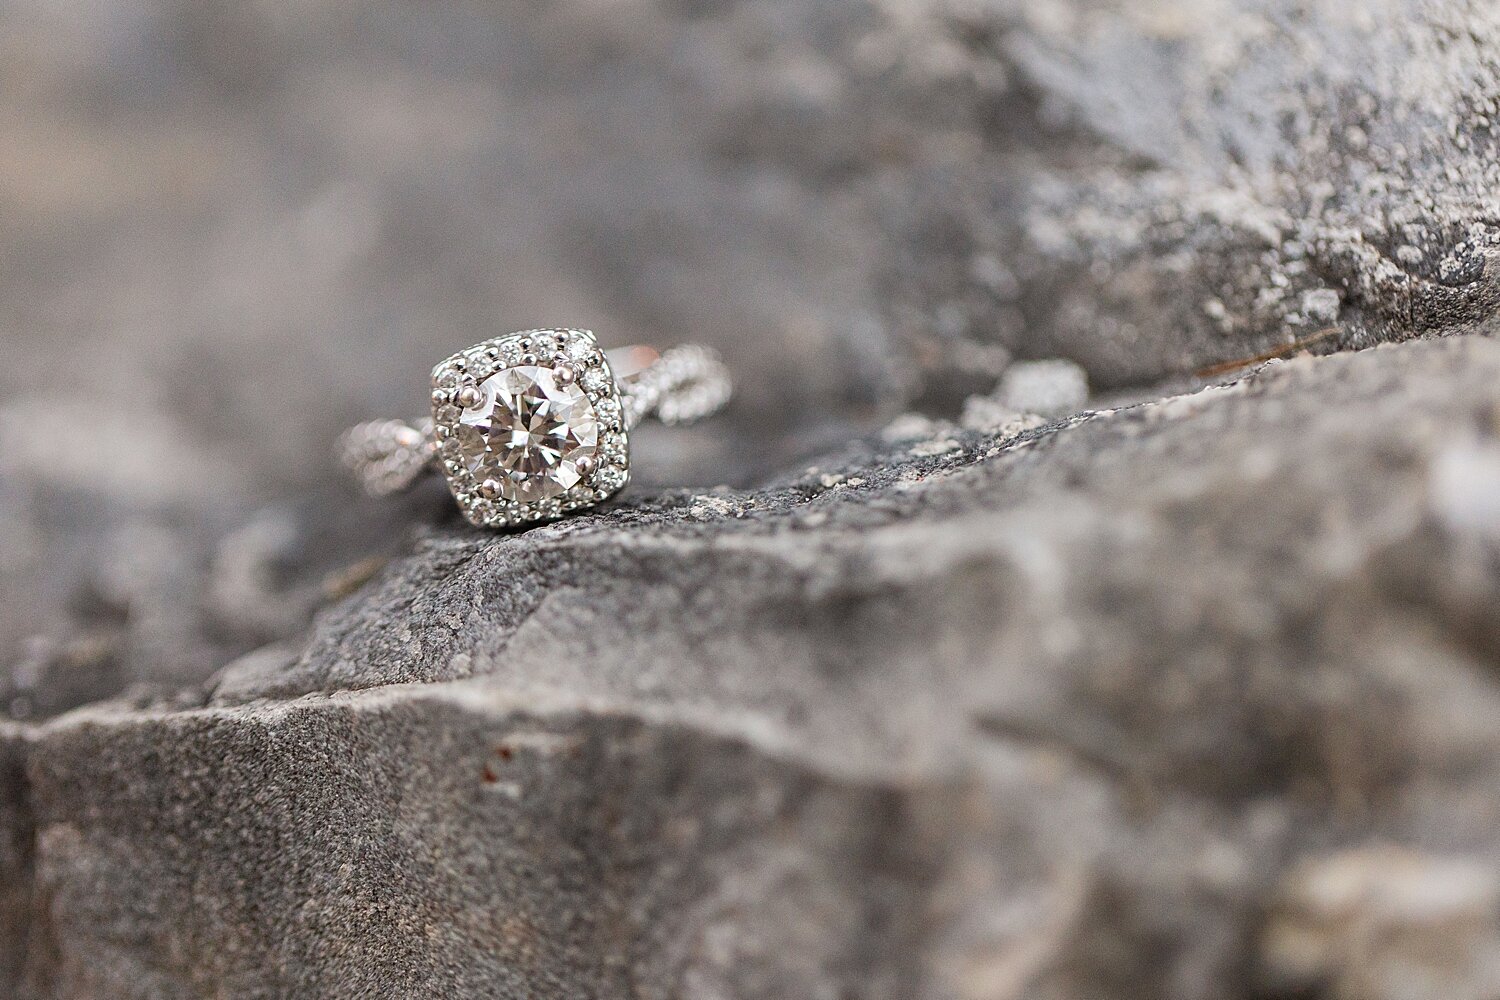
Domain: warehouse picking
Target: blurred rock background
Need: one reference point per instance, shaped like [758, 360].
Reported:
[230, 230]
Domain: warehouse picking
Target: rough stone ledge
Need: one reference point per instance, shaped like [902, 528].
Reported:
[1070, 712]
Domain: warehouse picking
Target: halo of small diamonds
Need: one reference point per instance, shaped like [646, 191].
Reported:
[565, 365]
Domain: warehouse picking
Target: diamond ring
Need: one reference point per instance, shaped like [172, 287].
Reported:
[533, 425]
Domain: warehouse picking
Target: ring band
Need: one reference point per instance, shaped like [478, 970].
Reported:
[535, 424]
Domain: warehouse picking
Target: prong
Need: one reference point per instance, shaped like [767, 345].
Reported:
[564, 375]
[490, 489]
[585, 466]
[469, 397]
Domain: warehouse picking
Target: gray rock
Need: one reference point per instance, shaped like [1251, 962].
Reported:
[1054, 715]
[976, 706]
[251, 228]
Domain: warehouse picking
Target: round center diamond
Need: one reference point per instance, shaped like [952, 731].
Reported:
[528, 433]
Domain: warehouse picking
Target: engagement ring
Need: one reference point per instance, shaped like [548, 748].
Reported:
[534, 425]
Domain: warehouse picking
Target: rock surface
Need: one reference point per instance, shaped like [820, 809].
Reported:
[1189, 696]
[249, 228]
[1053, 715]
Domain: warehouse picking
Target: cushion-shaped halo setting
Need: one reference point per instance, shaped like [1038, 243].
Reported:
[529, 427]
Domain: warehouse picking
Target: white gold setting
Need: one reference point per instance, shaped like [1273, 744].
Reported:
[520, 436]
[534, 425]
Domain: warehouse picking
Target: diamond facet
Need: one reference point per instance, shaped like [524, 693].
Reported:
[527, 433]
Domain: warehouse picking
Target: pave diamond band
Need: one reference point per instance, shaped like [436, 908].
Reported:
[533, 425]
[387, 456]
[683, 384]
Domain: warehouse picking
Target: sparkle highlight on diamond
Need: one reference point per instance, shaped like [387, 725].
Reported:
[528, 433]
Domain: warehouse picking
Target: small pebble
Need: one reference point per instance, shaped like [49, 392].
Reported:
[1055, 386]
